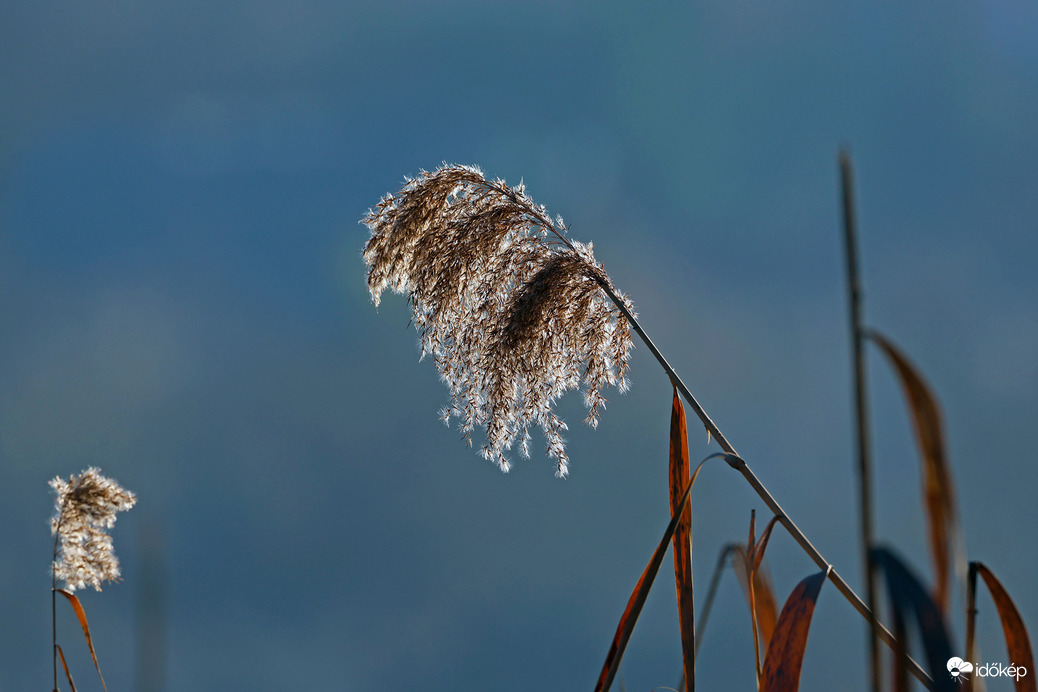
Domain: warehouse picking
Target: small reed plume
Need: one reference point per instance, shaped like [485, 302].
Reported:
[84, 510]
[512, 311]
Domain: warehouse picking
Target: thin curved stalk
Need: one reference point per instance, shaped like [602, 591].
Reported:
[711, 592]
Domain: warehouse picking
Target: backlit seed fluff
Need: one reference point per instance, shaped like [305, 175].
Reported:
[84, 511]
[513, 312]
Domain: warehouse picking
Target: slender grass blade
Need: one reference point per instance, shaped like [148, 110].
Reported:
[679, 474]
[938, 493]
[765, 610]
[64, 664]
[81, 615]
[1018, 644]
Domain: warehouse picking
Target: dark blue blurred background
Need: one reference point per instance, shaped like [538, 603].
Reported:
[183, 304]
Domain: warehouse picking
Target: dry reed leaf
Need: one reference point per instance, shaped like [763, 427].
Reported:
[64, 664]
[767, 613]
[1018, 644]
[909, 598]
[786, 652]
[742, 566]
[938, 493]
[641, 589]
[762, 544]
[679, 474]
[747, 561]
[764, 594]
[81, 615]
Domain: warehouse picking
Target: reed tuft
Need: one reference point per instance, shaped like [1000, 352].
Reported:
[513, 312]
[84, 511]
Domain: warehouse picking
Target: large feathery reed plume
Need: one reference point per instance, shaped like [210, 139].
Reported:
[513, 312]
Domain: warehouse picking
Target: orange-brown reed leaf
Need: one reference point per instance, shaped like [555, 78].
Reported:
[748, 562]
[1018, 643]
[679, 474]
[641, 590]
[786, 652]
[938, 492]
[81, 616]
[64, 664]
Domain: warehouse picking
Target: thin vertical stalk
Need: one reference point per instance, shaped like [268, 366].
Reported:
[54, 605]
[711, 592]
[971, 618]
[861, 412]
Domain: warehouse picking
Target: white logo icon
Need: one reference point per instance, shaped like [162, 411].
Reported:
[959, 669]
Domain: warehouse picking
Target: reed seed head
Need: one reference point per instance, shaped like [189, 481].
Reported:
[513, 312]
[84, 511]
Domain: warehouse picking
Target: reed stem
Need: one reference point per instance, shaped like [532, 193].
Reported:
[54, 604]
[854, 294]
[755, 483]
[971, 618]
